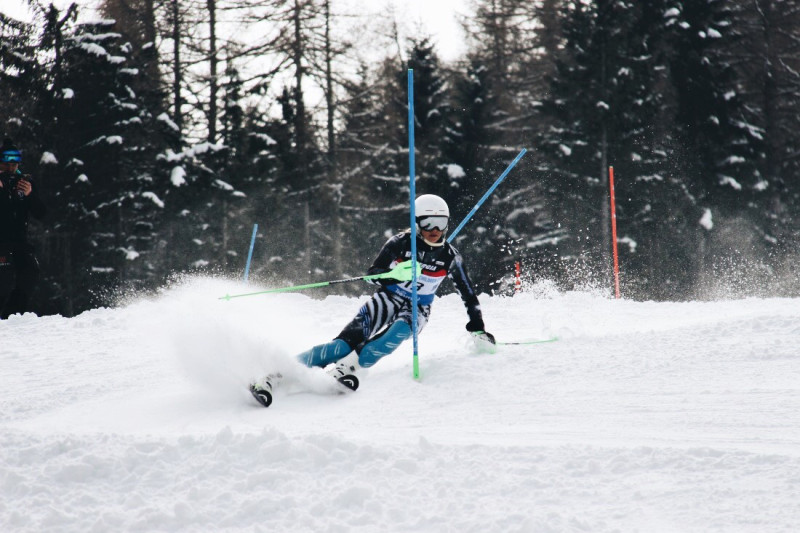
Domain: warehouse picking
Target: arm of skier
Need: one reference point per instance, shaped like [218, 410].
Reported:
[382, 264]
[465, 289]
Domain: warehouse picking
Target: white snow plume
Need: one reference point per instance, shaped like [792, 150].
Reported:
[222, 345]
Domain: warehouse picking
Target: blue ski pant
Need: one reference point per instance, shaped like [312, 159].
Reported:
[379, 327]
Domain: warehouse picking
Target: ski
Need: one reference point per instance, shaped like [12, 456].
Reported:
[262, 391]
[349, 381]
[261, 394]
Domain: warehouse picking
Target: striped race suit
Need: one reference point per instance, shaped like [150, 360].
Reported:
[393, 301]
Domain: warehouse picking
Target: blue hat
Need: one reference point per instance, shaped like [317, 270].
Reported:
[10, 153]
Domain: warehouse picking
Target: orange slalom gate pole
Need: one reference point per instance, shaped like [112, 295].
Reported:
[614, 230]
[517, 280]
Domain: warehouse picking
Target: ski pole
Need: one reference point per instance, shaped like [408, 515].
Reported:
[485, 196]
[520, 343]
[401, 272]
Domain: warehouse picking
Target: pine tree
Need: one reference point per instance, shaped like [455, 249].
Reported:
[97, 134]
[497, 105]
[718, 148]
[767, 55]
[607, 98]
[369, 195]
[473, 163]
[21, 79]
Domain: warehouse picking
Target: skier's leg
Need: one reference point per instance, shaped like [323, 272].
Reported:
[7, 282]
[372, 316]
[388, 341]
[324, 354]
[384, 344]
[27, 270]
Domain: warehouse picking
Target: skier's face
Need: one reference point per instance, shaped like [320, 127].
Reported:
[431, 235]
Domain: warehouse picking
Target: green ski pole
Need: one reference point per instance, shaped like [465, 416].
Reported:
[401, 272]
[518, 343]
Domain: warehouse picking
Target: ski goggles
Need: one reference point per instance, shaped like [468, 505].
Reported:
[11, 157]
[429, 223]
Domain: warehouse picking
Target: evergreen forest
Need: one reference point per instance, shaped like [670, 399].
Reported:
[158, 132]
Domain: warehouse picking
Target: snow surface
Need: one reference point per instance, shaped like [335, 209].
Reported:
[652, 417]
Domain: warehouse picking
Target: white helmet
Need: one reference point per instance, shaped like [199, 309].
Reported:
[430, 205]
[432, 212]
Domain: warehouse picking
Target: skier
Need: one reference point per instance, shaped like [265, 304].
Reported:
[384, 321]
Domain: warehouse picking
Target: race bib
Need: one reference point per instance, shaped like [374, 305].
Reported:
[427, 284]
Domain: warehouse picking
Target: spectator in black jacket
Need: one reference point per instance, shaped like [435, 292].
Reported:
[19, 199]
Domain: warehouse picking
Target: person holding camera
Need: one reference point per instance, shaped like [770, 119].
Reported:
[19, 269]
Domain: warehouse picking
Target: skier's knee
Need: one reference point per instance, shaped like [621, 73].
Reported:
[384, 344]
[324, 354]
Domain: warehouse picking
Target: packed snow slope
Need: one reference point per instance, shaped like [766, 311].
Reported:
[651, 417]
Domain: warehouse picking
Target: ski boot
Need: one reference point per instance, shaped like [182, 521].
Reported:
[344, 371]
[262, 389]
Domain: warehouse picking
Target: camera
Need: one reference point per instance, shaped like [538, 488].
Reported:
[10, 182]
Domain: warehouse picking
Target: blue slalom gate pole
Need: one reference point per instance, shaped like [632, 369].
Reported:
[485, 196]
[412, 194]
[250, 253]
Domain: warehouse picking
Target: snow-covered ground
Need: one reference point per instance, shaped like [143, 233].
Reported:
[651, 417]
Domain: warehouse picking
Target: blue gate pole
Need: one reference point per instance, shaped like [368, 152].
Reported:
[413, 194]
[485, 196]
[250, 253]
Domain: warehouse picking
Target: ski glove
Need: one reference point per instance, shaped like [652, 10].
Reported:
[484, 336]
[476, 327]
[402, 272]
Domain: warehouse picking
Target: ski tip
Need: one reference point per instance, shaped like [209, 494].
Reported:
[349, 381]
[262, 396]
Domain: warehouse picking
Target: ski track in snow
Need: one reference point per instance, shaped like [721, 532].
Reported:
[651, 417]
